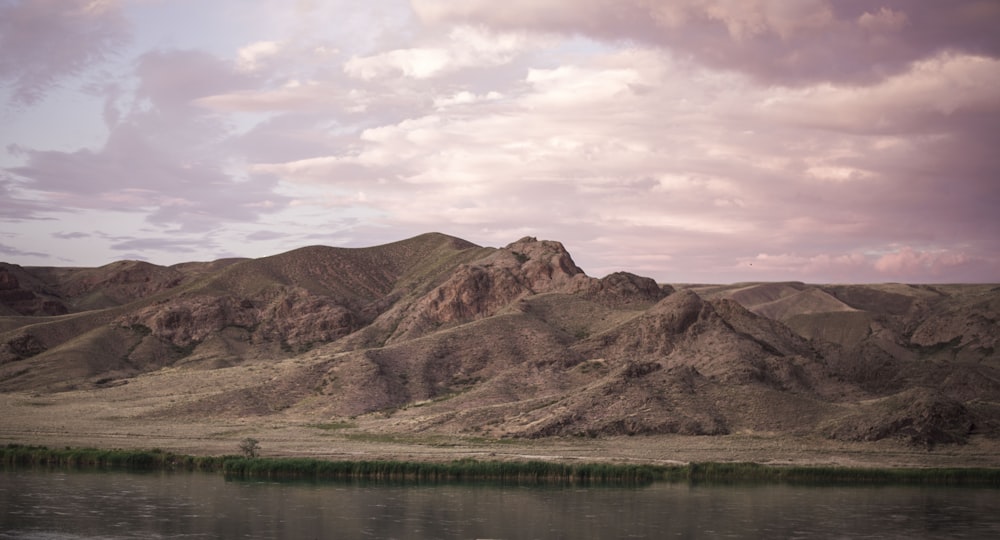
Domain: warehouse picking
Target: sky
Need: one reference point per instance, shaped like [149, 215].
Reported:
[691, 141]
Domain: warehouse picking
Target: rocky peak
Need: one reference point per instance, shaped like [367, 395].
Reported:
[541, 265]
[677, 312]
[624, 289]
[486, 286]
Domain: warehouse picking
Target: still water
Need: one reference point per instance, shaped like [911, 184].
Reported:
[70, 505]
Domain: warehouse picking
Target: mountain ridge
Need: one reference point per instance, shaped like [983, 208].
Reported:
[436, 334]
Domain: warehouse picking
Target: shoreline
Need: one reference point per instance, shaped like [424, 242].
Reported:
[305, 440]
[472, 470]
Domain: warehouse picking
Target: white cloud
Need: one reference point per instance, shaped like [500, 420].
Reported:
[419, 63]
[882, 21]
[251, 57]
[776, 41]
[922, 98]
[571, 86]
[834, 173]
[465, 98]
[465, 47]
[294, 95]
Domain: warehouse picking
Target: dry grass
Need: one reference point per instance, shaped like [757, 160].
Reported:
[119, 417]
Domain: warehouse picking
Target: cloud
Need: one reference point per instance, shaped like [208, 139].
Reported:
[46, 41]
[70, 235]
[900, 263]
[685, 140]
[817, 267]
[173, 79]
[14, 204]
[928, 97]
[252, 56]
[883, 21]
[11, 251]
[169, 245]
[908, 263]
[464, 97]
[294, 95]
[465, 47]
[635, 143]
[787, 42]
[163, 158]
[266, 235]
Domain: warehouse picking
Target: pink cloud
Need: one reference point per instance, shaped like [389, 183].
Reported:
[77, 34]
[796, 42]
[818, 267]
[909, 263]
[674, 139]
[162, 157]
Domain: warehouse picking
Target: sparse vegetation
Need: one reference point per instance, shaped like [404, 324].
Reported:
[141, 329]
[754, 472]
[250, 447]
[459, 470]
[332, 426]
[20, 455]
[531, 471]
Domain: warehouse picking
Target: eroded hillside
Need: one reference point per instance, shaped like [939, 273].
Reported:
[437, 335]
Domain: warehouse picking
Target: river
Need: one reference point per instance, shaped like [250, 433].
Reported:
[72, 505]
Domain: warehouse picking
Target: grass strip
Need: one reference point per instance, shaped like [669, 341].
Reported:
[303, 468]
[501, 471]
[819, 475]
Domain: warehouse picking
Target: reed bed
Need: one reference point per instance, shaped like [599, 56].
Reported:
[755, 472]
[19, 455]
[301, 468]
[459, 470]
[530, 472]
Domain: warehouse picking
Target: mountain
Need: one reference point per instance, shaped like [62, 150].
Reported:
[437, 335]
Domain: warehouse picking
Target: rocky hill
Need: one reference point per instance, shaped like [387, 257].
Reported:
[437, 335]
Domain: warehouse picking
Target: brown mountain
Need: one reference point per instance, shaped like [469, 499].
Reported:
[437, 335]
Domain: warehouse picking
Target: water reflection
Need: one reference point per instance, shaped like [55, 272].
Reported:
[71, 505]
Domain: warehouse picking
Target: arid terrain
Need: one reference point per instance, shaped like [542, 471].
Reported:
[435, 348]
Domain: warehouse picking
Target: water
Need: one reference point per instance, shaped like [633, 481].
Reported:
[71, 505]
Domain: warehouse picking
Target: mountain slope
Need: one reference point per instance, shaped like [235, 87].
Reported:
[435, 334]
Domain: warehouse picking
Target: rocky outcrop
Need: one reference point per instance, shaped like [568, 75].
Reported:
[292, 317]
[637, 398]
[623, 290]
[485, 287]
[22, 301]
[971, 332]
[299, 320]
[186, 321]
[20, 346]
[921, 417]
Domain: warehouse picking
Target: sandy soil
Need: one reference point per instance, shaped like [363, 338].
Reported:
[109, 419]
